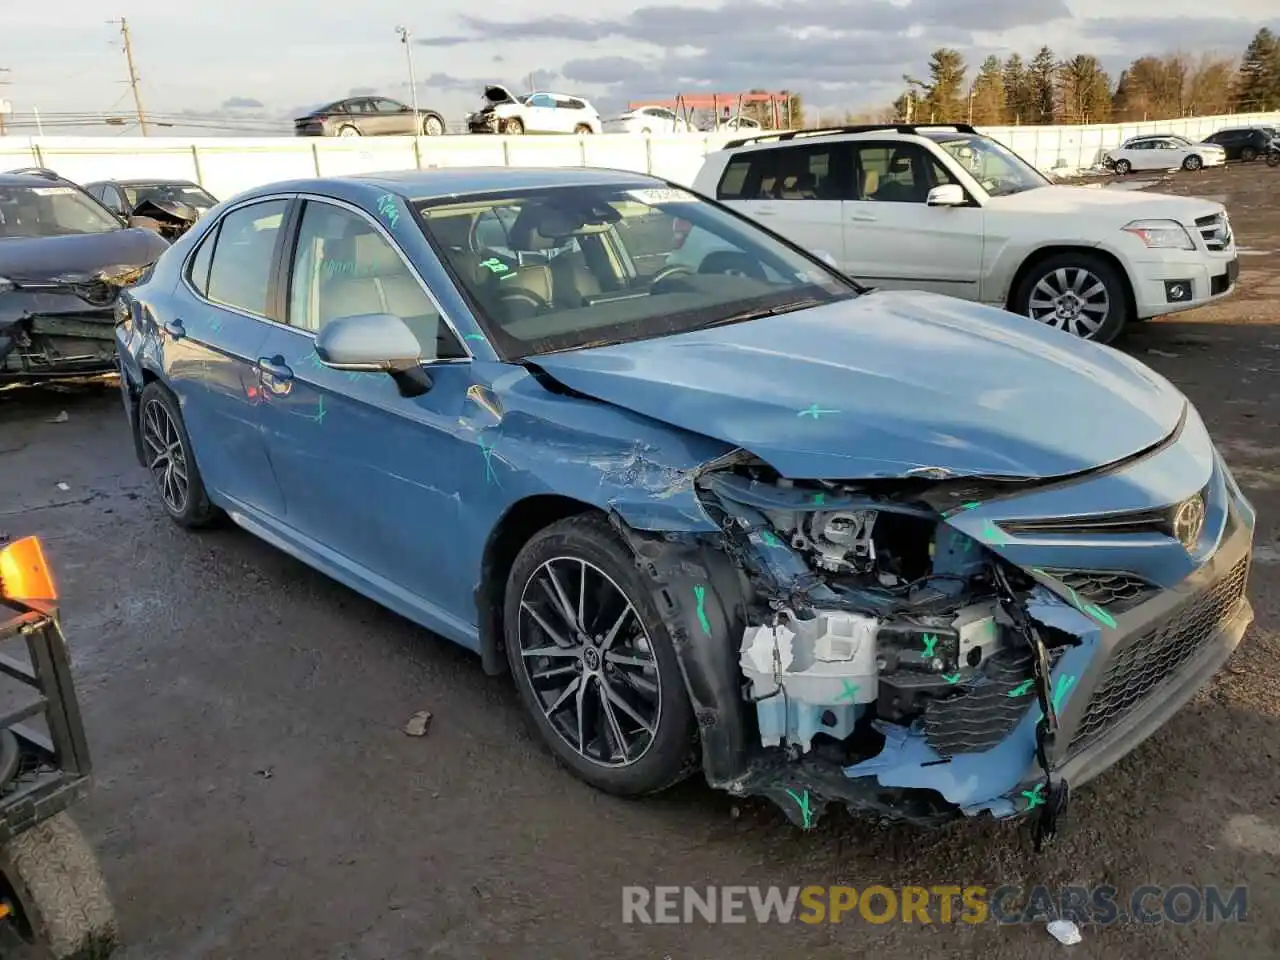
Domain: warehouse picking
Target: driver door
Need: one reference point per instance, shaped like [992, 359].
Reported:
[894, 239]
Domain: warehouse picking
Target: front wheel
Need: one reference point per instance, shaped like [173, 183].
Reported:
[433, 126]
[582, 128]
[593, 661]
[513, 126]
[169, 459]
[1123, 167]
[1192, 162]
[61, 899]
[1079, 293]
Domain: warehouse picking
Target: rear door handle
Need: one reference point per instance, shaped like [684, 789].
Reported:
[863, 218]
[275, 368]
[766, 213]
[175, 329]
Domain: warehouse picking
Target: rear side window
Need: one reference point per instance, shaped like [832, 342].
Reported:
[810, 172]
[243, 253]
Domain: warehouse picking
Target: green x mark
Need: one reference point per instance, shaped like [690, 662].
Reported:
[802, 801]
[1021, 689]
[930, 641]
[849, 692]
[951, 677]
[1035, 798]
[815, 411]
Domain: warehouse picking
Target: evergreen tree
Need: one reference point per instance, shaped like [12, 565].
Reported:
[1042, 84]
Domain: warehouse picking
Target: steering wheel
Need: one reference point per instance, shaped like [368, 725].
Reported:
[668, 273]
[732, 263]
[531, 303]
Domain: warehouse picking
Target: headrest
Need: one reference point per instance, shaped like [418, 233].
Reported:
[375, 257]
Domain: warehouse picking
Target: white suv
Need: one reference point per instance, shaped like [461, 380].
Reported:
[946, 209]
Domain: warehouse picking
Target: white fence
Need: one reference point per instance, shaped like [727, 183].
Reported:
[227, 166]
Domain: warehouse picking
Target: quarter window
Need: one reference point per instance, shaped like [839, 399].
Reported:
[344, 267]
[240, 274]
[809, 172]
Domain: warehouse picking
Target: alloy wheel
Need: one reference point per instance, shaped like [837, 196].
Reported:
[432, 127]
[589, 661]
[166, 459]
[1072, 299]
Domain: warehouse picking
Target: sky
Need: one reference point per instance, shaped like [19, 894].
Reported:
[253, 65]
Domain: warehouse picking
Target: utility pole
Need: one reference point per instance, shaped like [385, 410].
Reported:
[405, 38]
[133, 73]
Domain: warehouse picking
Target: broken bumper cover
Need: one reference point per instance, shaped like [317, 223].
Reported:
[1111, 692]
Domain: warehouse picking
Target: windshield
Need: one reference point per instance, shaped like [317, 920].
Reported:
[160, 192]
[1000, 171]
[560, 268]
[52, 211]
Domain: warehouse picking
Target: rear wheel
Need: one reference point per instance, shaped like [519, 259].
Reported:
[347, 130]
[62, 903]
[593, 661]
[1079, 293]
[167, 450]
[1273, 158]
[1192, 162]
[1249, 154]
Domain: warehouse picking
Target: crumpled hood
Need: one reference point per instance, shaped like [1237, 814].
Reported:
[496, 93]
[1116, 206]
[889, 383]
[44, 258]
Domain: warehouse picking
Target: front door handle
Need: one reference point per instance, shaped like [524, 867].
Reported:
[863, 218]
[175, 329]
[766, 213]
[275, 368]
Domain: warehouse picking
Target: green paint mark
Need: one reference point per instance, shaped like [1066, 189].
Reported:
[388, 208]
[993, 534]
[700, 594]
[951, 677]
[815, 411]
[770, 538]
[494, 265]
[849, 692]
[1060, 691]
[489, 475]
[930, 641]
[819, 498]
[1035, 798]
[1021, 689]
[802, 801]
[474, 336]
[1088, 609]
[215, 324]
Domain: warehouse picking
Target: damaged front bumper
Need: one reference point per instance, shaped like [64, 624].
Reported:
[995, 704]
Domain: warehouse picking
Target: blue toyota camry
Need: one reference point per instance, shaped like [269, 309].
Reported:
[912, 555]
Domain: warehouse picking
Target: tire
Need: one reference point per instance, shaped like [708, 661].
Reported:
[432, 126]
[1064, 269]
[1123, 167]
[1273, 158]
[1249, 154]
[193, 510]
[1192, 162]
[347, 130]
[582, 129]
[668, 754]
[513, 126]
[61, 897]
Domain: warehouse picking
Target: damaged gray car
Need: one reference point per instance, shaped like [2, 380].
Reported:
[890, 550]
[63, 259]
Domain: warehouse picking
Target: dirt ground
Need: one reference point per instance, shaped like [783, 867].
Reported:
[256, 796]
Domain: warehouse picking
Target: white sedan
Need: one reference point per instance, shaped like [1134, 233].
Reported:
[648, 120]
[1163, 152]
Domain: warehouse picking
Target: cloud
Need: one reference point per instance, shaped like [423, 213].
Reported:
[445, 41]
[362, 91]
[1159, 35]
[241, 103]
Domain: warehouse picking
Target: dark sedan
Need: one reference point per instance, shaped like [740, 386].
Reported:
[1245, 143]
[123, 197]
[368, 117]
[63, 259]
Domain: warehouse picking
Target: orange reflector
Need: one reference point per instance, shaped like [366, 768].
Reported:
[5, 910]
[24, 575]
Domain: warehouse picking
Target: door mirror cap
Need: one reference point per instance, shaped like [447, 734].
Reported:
[826, 257]
[947, 195]
[369, 342]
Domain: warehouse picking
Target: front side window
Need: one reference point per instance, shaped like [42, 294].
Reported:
[1000, 171]
[896, 172]
[344, 267]
[609, 263]
[240, 274]
[51, 211]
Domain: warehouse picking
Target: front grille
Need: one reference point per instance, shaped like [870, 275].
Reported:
[1115, 592]
[1141, 666]
[1215, 230]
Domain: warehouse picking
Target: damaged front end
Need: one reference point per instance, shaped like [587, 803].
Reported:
[169, 218]
[62, 326]
[906, 649]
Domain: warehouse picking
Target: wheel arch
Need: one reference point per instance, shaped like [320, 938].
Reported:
[516, 527]
[1041, 254]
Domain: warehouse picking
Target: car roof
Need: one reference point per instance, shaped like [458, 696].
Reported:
[31, 180]
[440, 183]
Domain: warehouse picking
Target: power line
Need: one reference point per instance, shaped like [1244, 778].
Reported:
[133, 73]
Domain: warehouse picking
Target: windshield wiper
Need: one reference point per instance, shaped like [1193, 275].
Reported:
[769, 311]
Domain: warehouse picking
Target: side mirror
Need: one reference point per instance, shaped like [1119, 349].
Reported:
[375, 342]
[826, 258]
[947, 195]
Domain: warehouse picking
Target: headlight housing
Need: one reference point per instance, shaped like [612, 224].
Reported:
[5, 284]
[1161, 234]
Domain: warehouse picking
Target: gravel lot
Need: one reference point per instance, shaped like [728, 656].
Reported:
[256, 795]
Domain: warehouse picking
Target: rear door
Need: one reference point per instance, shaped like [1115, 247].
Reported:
[894, 238]
[798, 190]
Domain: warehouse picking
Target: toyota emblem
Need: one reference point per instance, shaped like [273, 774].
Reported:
[1188, 520]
